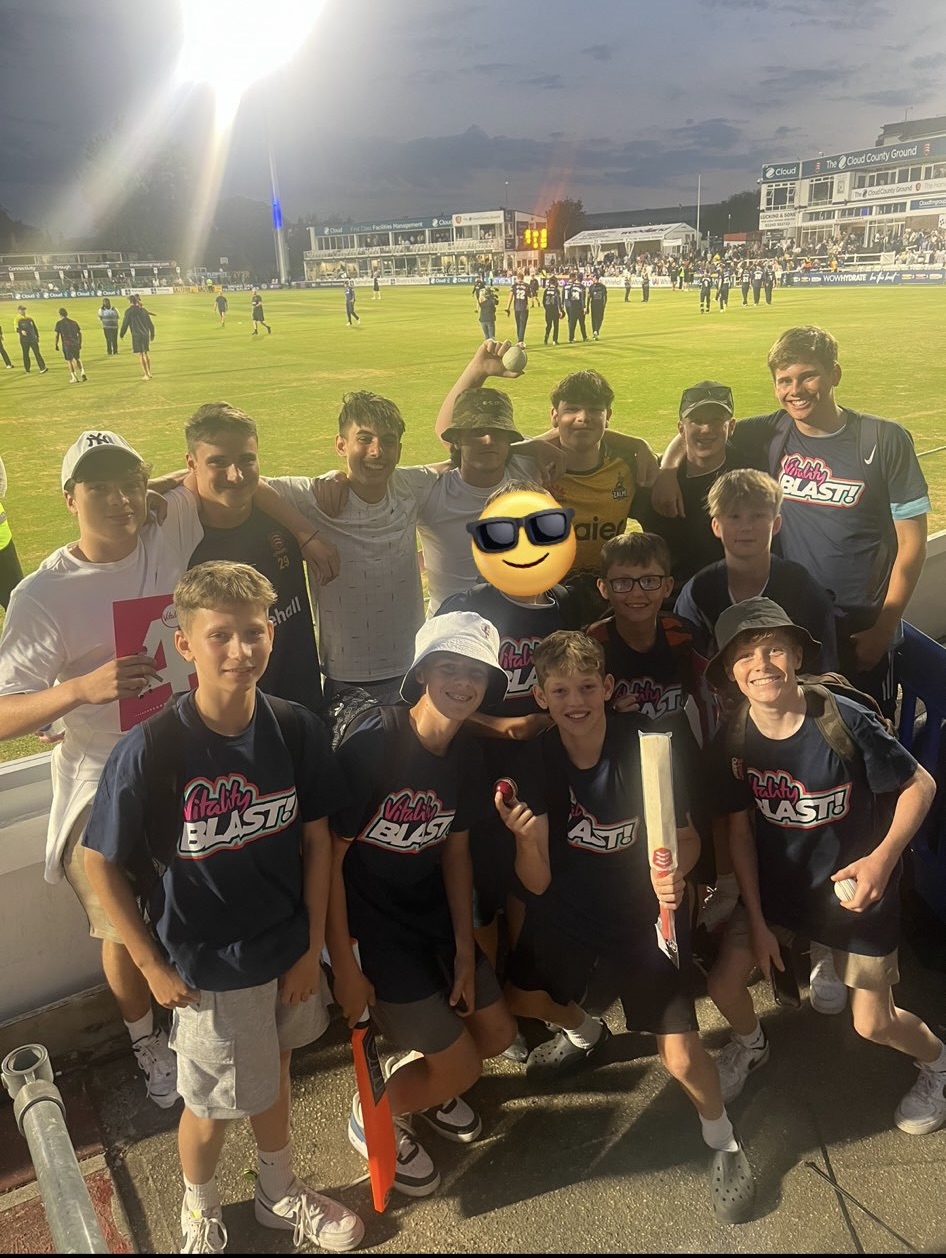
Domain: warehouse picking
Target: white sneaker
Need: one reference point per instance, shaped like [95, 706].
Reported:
[158, 1064]
[923, 1109]
[736, 1063]
[73, 380]
[310, 1217]
[827, 994]
[203, 1231]
[415, 1174]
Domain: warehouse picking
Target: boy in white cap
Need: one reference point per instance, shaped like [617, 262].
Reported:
[402, 887]
[58, 662]
[822, 860]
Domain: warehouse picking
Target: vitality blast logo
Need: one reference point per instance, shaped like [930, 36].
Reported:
[787, 802]
[409, 821]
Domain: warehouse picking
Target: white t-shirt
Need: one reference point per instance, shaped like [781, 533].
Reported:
[448, 550]
[60, 625]
[368, 616]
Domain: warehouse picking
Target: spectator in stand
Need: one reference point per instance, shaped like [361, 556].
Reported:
[108, 317]
[70, 334]
[28, 333]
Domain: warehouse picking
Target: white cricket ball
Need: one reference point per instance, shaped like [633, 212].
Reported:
[515, 358]
[846, 889]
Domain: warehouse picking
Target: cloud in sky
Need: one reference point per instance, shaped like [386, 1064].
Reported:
[418, 106]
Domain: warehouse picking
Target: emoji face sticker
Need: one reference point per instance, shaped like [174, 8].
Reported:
[523, 543]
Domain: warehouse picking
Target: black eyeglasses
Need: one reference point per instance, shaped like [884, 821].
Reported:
[501, 532]
[707, 393]
[624, 585]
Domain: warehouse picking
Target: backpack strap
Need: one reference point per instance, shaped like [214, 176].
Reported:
[289, 719]
[736, 725]
[823, 708]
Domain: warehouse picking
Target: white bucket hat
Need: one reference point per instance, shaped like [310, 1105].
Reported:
[459, 633]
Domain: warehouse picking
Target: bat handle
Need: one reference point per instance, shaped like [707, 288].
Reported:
[666, 921]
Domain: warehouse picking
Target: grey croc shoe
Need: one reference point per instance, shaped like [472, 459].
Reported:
[559, 1056]
[732, 1189]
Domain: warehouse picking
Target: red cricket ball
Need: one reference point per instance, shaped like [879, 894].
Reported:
[507, 788]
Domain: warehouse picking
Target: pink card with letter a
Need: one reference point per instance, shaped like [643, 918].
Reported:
[146, 626]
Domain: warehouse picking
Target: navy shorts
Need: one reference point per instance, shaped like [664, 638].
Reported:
[657, 997]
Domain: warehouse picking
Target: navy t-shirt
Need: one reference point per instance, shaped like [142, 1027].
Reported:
[836, 520]
[405, 802]
[691, 540]
[229, 910]
[600, 892]
[813, 815]
[520, 296]
[293, 670]
[657, 680]
[706, 596]
[521, 627]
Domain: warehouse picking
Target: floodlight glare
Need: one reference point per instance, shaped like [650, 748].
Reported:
[232, 43]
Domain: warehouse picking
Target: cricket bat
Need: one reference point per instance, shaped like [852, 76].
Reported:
[377, 1123]
[661, 824]
[376, 1119]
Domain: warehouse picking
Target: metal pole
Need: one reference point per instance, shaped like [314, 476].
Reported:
[699, 179]
[282, 258]
[40, 1115]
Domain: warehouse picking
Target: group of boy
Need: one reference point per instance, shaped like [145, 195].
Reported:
[434, 995]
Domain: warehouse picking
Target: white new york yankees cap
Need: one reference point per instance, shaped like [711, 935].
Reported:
[88, 443]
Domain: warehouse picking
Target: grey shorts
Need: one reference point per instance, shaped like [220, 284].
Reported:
[431, 1025]
[869, 974]
[228, 1047]
[73, 868]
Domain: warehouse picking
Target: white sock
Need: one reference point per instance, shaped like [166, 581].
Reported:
[144, 1026]
[201, 1197]
[275, 1172]
[754, 1041]
[588, 1034]
[718, 1133]
[939, 1065]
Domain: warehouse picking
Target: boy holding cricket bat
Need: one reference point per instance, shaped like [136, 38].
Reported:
[402, 887]
[587, 809]
[822, 859]
[214, 814]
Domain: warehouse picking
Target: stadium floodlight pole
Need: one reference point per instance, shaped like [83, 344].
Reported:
[224, 43]
[282, 254]
[698, 182]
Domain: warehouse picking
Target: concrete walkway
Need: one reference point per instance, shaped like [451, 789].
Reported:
[610, 1161]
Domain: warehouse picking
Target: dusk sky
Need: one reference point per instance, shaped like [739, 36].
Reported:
[415, 107]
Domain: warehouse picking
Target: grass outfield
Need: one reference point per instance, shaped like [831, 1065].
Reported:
[411, 346]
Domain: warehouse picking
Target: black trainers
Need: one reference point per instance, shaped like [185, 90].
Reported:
[732, 1189]
[560, 1056]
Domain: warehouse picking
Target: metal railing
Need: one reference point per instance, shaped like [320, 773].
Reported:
[40, 1115]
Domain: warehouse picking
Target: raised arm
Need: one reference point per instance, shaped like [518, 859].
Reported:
[320, 553]
[486, 362]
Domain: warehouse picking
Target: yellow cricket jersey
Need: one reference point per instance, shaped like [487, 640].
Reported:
[601, 500]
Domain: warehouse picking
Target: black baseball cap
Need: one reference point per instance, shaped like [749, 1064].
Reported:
[707, 393]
